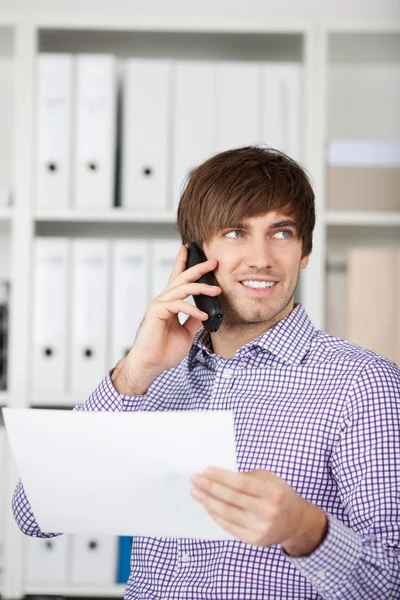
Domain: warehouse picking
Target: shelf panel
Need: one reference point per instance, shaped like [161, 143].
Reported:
[91, 590]
[358, 218]
[116, 215]
[58, 399]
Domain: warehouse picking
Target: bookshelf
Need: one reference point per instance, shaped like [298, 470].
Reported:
[342, 59]
[362, 81]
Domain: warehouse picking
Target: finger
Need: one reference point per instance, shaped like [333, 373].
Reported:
[180, 263]
[227, 494]
[230, 513]
[189, 289]
[239, 532]
[193, 273]
[173, 307]
[247, 483]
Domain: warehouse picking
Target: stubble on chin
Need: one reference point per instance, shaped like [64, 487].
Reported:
[239, 316]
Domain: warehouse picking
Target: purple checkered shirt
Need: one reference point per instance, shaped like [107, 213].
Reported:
[319, 412]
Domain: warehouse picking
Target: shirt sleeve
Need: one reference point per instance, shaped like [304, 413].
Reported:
[104, 398]
[360, 559]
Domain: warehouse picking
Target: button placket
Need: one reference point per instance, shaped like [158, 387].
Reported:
[227, 373]
[185, 558]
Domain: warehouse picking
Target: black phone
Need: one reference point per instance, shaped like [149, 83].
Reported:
[209, 304]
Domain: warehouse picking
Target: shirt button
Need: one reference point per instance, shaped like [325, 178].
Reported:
[185, 558]
[227, 374]
[321, 574]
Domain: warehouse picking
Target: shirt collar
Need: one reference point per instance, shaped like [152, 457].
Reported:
[289, 340]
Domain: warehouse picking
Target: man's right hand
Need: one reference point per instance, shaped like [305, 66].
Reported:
[162, 342]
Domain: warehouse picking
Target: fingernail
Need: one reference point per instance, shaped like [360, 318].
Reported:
[196, 479]
[196, 493]
[209, 471]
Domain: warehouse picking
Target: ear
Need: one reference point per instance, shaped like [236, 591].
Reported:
[304, 261]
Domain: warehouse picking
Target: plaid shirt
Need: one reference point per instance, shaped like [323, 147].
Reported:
[319, 412]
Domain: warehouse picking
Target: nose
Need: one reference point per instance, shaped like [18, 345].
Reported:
[259, 254]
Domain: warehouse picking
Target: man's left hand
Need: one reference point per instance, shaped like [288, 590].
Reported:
[261, 509]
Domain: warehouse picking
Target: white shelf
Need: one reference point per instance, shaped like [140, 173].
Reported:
[96, 591]
[357, 218]
[112, 215]
[58, 399]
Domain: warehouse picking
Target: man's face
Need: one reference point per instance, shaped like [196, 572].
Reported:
[258, 268]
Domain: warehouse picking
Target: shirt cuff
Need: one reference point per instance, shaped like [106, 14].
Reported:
[333, 560]
[106, 398]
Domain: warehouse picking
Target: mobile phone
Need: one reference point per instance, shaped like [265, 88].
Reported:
[209, 304]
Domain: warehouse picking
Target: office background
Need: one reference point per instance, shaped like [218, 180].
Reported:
[101, 120]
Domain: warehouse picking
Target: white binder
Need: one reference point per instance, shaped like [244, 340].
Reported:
[92, 559]
[53, 130]
[238, 105]
[46, 560]
[50, 316]
[145, 134]
[163, 257]
[193, 119]
[5, 195]
[3, 486]
[89, 330]
[130, 293]
[95, 136]
[283, 108]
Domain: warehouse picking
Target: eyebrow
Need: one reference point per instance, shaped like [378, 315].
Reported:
[277, 225]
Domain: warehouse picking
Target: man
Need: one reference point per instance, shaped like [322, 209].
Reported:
[315, 506]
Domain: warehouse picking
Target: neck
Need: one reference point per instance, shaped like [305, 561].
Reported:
[230, 337]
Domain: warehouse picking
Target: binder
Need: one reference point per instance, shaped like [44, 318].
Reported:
[3, 503]
[50, 316]
[95, 138]
[238, 104]
[90, 302]
[371, 317]
[92, 559]
[46, 560]
[124, 558]
[5, 196]
[284, 108]
[145, 134]
[4, 326]
[53, 130]
[163, 257]
[193, 119]
[130, 293]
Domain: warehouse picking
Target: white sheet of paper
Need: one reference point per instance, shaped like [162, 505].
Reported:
[121, 473]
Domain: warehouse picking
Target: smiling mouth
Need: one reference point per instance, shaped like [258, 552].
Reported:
[258, 285]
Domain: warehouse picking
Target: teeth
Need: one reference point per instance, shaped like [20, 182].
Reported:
[258, 284]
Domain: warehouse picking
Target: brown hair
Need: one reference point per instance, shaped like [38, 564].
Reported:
[245, 182]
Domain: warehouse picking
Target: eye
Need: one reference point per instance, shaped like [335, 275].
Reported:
[234, 234]
[284, 234]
